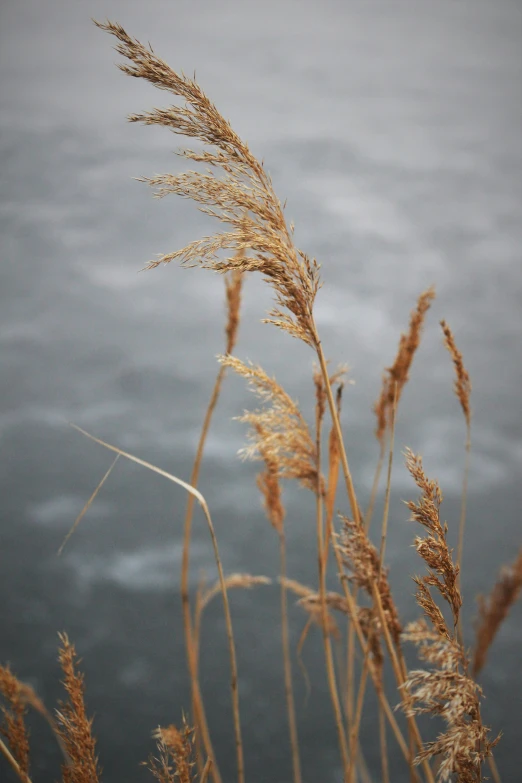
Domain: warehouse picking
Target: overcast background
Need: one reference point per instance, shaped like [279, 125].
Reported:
[394, 131]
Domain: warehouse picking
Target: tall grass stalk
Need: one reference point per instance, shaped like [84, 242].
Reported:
[233, 291]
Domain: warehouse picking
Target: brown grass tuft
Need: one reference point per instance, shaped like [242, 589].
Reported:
[13, 726]
[73, 726]
[175, 747]
[494, 609]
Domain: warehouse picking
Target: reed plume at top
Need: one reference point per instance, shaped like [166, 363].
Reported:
[242, 197]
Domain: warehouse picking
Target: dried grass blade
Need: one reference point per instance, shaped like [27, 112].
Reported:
[87, 505]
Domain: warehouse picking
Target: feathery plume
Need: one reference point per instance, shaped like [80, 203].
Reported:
[279, 434]
[398, 373]
[447, 690]
[241, 197]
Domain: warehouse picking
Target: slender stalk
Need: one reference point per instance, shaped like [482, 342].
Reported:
[350, 645]
[357, 518]
[352, 611]
[399, 668]
[233, 291]
[494, 769]
[362, 688]
[87, 505]
[350, 665]
[384, 748]
[206, 771]
[337, 424]
[289, 690]
[462, 523]
[13, 762]
[226, 605]
[197, 700]
[354, 730]
[385, 515]
[330, 668]
[375, 485]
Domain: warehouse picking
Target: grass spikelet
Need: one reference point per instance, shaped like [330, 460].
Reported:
[361, 558]
[494, 609]
[279, 433]
[462, 385]
[433, 548]
[447, 690]
[73, 726]
[398, 373]
[13, 726]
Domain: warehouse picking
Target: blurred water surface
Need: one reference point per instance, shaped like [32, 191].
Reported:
[394, 132]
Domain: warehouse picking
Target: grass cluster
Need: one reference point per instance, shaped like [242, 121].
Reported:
[361, 617]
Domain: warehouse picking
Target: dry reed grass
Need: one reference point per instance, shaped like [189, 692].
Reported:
[238, 192]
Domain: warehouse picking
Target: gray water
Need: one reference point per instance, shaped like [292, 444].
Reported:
[393, 129]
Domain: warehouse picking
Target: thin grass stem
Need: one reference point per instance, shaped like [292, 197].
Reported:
[330, 668]
[357, 518]
[384, 529]
[13, 762]
[385, 770]
[462, 522]
[356, 724]
[226, 605]
[197, 699]
[289, 690]
[363, 681]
